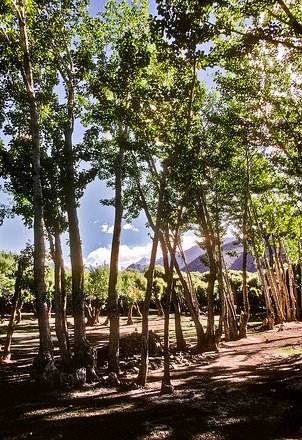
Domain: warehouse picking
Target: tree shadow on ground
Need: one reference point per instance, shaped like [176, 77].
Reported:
[208, 403]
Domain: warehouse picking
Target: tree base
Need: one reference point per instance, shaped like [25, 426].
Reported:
[52, 378]
[166, 389]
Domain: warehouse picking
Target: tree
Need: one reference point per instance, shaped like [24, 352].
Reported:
[96, 291]
[18, 49]
[24, 261]
[131, 285]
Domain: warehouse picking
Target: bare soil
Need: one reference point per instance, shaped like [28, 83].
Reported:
[251, 389]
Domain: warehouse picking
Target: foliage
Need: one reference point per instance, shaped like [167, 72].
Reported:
[131, 287]
[96, 284]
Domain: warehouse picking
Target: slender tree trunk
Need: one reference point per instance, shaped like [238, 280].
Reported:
[159, 307]
[130, 313]
[45, 349]
[274, 291]
[166, 386]
[260, 265]
[191, 300]
[292, 291]
[209, 238]
[113, 313]
[245, 314]
[180, 341]
[60, 321]
[81, 346]
[230, 322]
[288, 286]
[142, 376]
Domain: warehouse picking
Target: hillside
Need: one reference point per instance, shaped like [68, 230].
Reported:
[232, 252]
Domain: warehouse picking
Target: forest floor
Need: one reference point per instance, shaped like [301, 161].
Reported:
[251, 389]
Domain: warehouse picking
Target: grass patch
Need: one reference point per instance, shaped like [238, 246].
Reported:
[291, 350]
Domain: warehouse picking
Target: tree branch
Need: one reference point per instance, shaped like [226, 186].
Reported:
[293, 20]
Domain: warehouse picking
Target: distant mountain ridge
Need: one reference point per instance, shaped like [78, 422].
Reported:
[232, 252]
[141, 265]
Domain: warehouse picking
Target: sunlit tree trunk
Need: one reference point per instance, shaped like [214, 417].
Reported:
[142, 376]
[193, 307]
[113, 313]
[210, 248]
[76, 257]
[180, 340]
[60, 302]
[45, 349]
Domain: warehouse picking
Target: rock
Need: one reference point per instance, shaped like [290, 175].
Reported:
[167, 389]
[128, 386]
[80, 376]
[130, 345]
[50, 374]
[111, 380]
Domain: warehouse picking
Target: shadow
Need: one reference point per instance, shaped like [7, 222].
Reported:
[209, 403]
[232, 399]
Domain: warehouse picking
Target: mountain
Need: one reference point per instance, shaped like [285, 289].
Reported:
[141, 265]
[232, 252]
[191, 254]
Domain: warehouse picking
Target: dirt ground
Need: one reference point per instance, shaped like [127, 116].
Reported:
[250, 389]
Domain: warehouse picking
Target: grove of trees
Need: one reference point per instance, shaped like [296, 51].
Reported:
[193, 154]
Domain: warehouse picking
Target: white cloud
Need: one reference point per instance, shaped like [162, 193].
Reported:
[127, 255]
[129, 227]
[188, 240]
[98, 256]
[107, 229]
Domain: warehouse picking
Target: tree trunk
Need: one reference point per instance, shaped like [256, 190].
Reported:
[60, 307]
[81, 346]
[245, 314]
[166, 387]
[142, 376]
[159, 307]
[180, 341]
[192, 304]
[202, 213]
[130, 312]
[113, 313]
[45, 349]
[230, 323]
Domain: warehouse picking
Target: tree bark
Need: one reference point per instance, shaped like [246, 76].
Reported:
[245, 314]
[113, 313]
[60, 307]
[166, 387]
[192, 304]
[142, 376]
[180, 341]
[77, 268]
[209, 238]
[45, 349]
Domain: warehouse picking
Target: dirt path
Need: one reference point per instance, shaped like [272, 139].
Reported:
[251, 389]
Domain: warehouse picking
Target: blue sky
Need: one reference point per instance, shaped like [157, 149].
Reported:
[95, 220]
